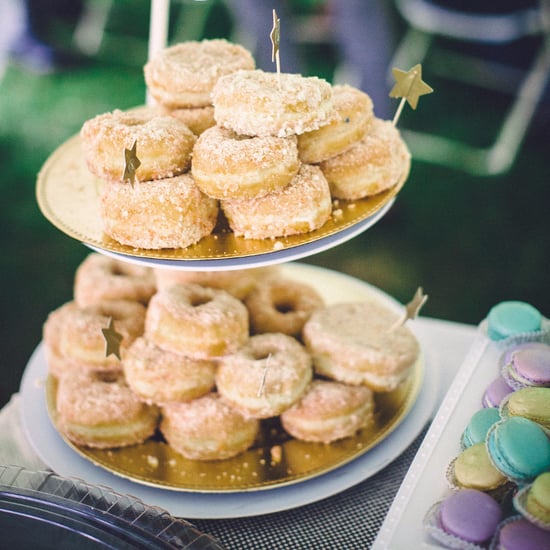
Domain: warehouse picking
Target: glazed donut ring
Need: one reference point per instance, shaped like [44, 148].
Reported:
[99, 278]
[196, 321]
[303, 205]
[197, 119]
[265, 376]
[231, 166]
[168, 213]
[329, 411]
[158, 376]
[183, 75]
[258, 103]
[352, 343]
[377, 162]
[207, 428]
[238, 282]
[281, 305]
[81, 339]
[163, 144]
[355, 113]
[101, 411]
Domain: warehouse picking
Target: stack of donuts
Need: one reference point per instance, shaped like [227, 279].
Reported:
[205, 358]
[271, 151]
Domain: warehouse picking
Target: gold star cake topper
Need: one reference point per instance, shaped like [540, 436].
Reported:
[131, 163]
[112, 339]
[412, 309]
[409, 86]
[275, 36]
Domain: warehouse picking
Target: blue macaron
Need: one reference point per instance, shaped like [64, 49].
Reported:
[519, 448]
[513, 317]
[478, 426]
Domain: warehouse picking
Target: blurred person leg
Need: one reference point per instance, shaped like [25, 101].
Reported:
[363, 30]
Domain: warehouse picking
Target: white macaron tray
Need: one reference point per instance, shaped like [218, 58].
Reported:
[425, 482]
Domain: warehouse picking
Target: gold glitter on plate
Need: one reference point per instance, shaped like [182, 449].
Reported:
[276, 459]
[68, 196]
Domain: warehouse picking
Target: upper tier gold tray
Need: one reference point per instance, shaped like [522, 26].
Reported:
[68, 196]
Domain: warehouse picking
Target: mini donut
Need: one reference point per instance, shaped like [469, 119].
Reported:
[197, 119]
[265, 376]
[57, 364]
[353, 343]
[183, 75]
[258, 103]
[281, 305]
[99, 278]
[158, 376]
[329, 411]
[200, 322]
[168, 213]
[375, 163]
[100, 410]
[302, 206]
[231, 166]
[355, 113]
[238, 282]
[207, 428]
[81, 337]
[163, 144]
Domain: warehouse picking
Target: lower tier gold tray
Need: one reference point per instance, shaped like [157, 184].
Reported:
[68, 196]
[156, 464]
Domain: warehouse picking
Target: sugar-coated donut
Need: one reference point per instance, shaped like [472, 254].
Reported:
[258, 103]
[227, 165]
[303, 205]
[100, 410]
[99, 278]
[200, 322]
[207, 428]
[163, 144]
[355, 113]
[281, 305]
[81, 338]
[158, 376]
[183, 75]
[353, 343]
[265, 376]
[329, 411]
[57, 363]
[376, 163]
[197, 119]
[168, 213]
[238, 282]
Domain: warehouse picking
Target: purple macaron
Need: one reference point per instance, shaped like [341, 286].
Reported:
[470, 515]
[519, 534]
[495, 392]
[528, 365]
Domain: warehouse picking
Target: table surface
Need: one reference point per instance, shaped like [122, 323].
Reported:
[353, 517]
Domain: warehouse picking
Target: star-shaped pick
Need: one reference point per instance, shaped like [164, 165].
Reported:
[411, 309]
[409, 86]
[264, 376]
[275, 36]
[112, 339]
[131, 163]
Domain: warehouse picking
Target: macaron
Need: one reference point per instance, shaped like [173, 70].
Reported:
[537, 502]
[469, 515]
[528, 366]
[511, 318]
[473, 469]
[517, 533]
[478, 426]
[495, 392]
[519, 448]
[532, 403]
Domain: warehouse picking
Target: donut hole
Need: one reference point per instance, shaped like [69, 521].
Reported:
[285, 305]
[107, 377]
[199, 300]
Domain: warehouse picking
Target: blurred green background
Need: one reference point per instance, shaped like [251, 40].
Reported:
[469, 240]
